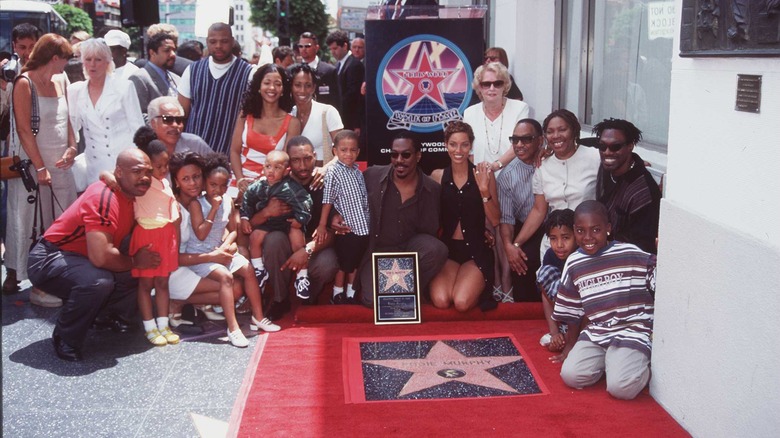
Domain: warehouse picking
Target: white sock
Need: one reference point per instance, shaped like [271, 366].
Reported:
[350, 291]
[303, 273]
[337, 290]
[149, 325]
[258, 263]
[162, 322]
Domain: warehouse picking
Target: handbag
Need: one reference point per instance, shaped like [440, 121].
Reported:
[6, 163]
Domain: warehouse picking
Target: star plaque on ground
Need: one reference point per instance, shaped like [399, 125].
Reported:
[425, 368]
[396, 288]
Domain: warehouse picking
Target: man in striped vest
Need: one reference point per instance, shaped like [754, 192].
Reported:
[212, 89]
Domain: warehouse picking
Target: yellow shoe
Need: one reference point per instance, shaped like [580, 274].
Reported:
[156, 338]
[169, 336]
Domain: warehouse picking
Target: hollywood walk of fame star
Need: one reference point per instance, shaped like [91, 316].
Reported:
[444, 364]
[396, 276]
[425, 81]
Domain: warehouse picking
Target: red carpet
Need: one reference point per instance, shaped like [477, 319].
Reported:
[297, 391]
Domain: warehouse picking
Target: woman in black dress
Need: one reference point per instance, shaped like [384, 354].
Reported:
[468, 197]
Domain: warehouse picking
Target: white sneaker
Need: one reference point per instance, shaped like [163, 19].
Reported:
[545, 340]
[264, 324]
[237, 338]
[41, 298]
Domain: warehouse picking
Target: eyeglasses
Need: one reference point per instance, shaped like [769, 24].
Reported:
[304, 46]
[405, 155]
[526, 139]
[615, 147]
[495, 84]
[170, 120]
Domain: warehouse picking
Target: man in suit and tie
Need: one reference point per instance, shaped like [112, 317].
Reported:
[400, 9]
[155, 79]
[350, 73]
[327, 92]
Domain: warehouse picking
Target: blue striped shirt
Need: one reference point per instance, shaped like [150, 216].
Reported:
[216, 102]
[515, 194]
[345, 188]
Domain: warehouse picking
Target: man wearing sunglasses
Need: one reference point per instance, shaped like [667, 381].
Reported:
[308, 47]
[516, 198]
[404, 207]
[625, 185]
[166, 117]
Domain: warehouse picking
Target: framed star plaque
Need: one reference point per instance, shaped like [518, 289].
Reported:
[396, 288]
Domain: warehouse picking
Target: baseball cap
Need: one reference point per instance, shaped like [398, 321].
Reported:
[117, 38]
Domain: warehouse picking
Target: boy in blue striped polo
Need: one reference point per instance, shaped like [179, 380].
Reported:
[609, 286]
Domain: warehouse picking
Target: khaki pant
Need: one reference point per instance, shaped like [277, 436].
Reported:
[627, 370]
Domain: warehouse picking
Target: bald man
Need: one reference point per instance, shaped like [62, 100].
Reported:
[79, 259]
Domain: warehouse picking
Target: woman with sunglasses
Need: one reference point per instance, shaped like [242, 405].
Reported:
[493, 121]
[498, 54]
[106, 108]
[565, 178]
[468, 198]
[263, 125]
[51, 148]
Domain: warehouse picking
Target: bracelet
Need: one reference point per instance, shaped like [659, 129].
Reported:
[73, 147]
[500, 164]
[209, 221]
[41, 169]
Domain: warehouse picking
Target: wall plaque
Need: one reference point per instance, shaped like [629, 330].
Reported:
[730, 28]
[748, 93]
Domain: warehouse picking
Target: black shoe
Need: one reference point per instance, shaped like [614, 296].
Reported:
[65, 351]
[278, 309]
[340, 298]
[112, 322]
[10, 286]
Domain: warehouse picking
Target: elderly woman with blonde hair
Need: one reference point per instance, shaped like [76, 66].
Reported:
[107, 109]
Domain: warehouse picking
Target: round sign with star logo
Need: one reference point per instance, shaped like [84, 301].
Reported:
[424, 82]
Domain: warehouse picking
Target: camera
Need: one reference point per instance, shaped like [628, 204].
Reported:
[11, 68]
[23, 167]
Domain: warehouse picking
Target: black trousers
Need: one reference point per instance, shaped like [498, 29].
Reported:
[85, 289]
[524, 286]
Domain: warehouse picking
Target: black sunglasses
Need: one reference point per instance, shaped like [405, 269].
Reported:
[526, 139]
[304, 46]
[405, 155]
[495, 84]
[612, 147]
[170, 120]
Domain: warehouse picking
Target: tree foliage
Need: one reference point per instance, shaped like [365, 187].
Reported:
[305, 16]
[77, 19]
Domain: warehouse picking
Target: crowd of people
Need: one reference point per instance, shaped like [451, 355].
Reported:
[244, 177]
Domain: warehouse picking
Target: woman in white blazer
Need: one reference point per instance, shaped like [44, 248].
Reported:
[106, 107]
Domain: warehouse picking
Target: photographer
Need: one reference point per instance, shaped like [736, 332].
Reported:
[39, 90]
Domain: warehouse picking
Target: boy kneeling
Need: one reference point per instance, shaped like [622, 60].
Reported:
[611, 284]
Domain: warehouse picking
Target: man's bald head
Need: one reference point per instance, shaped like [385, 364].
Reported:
[133, 172]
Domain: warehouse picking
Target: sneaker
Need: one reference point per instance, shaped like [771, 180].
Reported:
[264, 324]
[170, 337]
[545, 340]
[156, 338]
[41, 298]
[237, 338]
[262, 276]
[302, 287]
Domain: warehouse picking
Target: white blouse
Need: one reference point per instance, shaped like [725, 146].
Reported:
[491, 138]
[566, 183]
[313, 129]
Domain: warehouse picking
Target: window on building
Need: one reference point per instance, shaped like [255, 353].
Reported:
[616, 61]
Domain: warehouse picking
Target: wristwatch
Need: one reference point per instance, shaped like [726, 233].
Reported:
[309, 250]
[485, 200]
[517, 245]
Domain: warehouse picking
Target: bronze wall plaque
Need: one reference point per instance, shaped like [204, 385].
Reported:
[730, 28]
[748, 93]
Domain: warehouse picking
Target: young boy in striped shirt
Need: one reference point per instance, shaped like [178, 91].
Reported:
[609, 286]
[345, 190]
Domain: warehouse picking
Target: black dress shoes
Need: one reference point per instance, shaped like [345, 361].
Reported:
[112, 322]
[65, 351]
[277, 309]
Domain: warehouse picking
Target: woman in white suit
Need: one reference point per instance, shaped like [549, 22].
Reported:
[106, 107]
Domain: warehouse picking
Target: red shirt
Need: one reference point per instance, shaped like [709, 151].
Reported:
[97, 209]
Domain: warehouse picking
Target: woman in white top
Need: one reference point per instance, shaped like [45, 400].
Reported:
[106, 107]
[494, 119]
[564, 179]
[321, 122]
